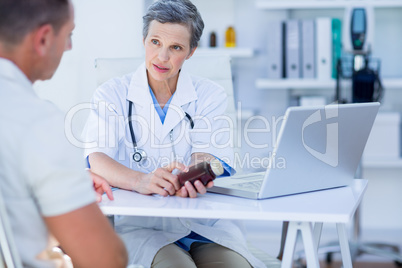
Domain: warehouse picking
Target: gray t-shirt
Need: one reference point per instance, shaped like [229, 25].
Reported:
[41, 173]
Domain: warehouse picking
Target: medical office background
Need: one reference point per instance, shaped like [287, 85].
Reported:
[113, 29]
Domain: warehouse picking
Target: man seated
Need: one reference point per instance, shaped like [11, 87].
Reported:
[43, 180]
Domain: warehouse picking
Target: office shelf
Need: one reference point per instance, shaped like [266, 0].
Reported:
[382, 163]
[232, 52]
[323, 4]
[392, 83]
[306, 84]
[314, 84]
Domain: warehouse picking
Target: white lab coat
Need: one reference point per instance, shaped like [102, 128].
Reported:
[107, 131]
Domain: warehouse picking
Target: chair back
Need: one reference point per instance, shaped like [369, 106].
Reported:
[9, 256]
[216, 68]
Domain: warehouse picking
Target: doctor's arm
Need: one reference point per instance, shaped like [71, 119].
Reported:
[161, 181]
[200, 157]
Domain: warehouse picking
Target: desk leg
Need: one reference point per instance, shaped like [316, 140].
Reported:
[317, 234]
[110, 219]
[344, 245]
[310, 246]
[290, 244]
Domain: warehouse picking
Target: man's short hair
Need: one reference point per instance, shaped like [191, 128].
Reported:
[20, 17]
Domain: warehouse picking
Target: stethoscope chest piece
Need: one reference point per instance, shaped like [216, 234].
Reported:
[139, 155]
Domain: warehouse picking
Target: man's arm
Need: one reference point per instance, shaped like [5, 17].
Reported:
[101, 186]
[88, 238]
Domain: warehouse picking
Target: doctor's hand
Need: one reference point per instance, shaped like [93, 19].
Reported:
[161, 181]
[190, 190]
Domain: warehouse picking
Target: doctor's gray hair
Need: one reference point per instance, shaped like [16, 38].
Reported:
[20, 17]
[175, 11]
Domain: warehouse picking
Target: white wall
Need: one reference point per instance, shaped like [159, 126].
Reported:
[104, 28]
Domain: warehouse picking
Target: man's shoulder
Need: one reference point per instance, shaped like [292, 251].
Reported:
[22, 107]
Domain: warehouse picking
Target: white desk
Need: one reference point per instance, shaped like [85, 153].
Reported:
[302, 211]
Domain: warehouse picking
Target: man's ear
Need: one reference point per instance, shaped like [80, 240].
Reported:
[43, 39]
[191, 53]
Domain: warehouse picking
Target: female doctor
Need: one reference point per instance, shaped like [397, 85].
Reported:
[147, 124]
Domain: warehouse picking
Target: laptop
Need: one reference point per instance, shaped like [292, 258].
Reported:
[317, 148]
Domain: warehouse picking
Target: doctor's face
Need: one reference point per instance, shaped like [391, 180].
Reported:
[167, 46]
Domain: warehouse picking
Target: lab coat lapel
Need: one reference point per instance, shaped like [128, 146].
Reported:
[185, 93]
[138, 93]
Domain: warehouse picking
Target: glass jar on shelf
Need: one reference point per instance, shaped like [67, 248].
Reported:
[230, 37]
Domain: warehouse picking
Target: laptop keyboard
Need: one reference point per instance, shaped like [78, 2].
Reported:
[250, 185]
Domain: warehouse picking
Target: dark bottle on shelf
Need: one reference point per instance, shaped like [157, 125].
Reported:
[204, 171]
[212, 39]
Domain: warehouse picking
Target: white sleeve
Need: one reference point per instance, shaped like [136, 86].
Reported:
[211, 133]
[105, 126]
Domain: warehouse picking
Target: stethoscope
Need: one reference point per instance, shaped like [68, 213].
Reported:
[139, 154]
